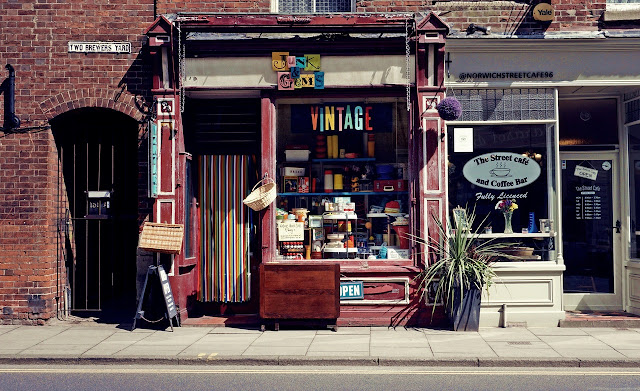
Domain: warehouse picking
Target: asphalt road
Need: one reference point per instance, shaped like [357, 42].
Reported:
[193, 378]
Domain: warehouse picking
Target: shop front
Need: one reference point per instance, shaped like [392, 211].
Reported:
[550, 128]
[335, 112]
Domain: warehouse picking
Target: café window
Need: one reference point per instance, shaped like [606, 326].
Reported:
[497, 169]
[313, 6]
[634, 187]
[342, 170]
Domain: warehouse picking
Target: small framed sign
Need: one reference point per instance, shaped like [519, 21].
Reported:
[290, 231]
[290, 184]
[460, 219]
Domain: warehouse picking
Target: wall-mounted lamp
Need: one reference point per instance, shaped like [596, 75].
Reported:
[473, 28]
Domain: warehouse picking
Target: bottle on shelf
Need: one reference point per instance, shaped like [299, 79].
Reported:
[328, 181]
[371, 145]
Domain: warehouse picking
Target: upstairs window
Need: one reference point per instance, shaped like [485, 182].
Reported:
[313, 6]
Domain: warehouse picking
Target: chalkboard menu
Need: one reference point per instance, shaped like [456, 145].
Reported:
[167, 293]
[156, 275]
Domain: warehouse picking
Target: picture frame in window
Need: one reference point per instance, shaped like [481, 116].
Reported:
[290, 184]
[460, 218]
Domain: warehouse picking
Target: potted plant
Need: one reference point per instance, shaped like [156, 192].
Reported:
[461, 269]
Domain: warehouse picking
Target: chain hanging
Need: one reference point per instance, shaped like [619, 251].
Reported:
[181, 72]
[407, 55]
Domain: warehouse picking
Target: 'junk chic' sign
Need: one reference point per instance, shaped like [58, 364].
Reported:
[501, 170]
[290, 71]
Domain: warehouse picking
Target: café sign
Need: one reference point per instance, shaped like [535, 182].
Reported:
[99, 47]
[501, 170]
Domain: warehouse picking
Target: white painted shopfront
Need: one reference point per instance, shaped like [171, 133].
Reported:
[572, 106]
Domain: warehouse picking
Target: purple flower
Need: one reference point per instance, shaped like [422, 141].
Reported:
[449, 109]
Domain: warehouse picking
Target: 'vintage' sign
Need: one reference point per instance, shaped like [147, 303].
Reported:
[99, 47]
[336, 116]
[501, 170]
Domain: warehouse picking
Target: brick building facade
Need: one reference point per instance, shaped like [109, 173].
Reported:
[55, 88]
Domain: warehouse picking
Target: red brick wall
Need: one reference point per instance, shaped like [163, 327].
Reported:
[27, 230]
[503, 16]
[49, 81]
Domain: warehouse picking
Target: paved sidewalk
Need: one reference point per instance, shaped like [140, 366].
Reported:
[96, 343]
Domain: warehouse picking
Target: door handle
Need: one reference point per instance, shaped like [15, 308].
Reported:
[618, 226]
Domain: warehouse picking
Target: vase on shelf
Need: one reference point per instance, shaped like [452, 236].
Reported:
[507, 222]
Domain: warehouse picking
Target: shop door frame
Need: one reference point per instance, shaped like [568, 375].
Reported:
[631, 263]
[600, 301]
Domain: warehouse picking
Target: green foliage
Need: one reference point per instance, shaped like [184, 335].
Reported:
[462, 260]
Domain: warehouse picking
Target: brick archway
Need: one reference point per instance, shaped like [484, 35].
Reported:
[114, 99]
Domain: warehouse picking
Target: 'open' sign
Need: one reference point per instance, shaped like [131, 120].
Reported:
[350, 290]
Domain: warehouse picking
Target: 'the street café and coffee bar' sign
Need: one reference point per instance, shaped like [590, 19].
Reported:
[501, 170]
[297, 71]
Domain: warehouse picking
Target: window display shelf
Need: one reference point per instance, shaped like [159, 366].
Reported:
[344, 160]
[535, 235]
[335, 193]
[373, 215]
[339, 216]
[340, 250]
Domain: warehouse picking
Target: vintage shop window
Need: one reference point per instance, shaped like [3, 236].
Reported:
[313, 6]
[342, 178]
[489, 164]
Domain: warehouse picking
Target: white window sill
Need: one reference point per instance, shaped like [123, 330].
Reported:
[622, 11]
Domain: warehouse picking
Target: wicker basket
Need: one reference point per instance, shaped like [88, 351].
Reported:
[161, 237]
[261, 196]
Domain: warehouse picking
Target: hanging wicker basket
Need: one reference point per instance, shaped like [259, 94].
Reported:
[261, 195]
[161, 238]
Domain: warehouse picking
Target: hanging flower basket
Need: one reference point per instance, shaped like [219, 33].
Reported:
[449, 109]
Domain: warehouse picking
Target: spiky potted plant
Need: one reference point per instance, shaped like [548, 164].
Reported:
[461, 269]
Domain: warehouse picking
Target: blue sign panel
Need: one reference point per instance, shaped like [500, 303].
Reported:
[153, 160]
[351, 290]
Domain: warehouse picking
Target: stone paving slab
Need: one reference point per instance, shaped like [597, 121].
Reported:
[590, 353]
[151, 350]
[508, 334]
[79, 336]
[529, 349]
[400, 352]
[275, 350]
[347, 330]
[580, 342]
[340, 343]
[551, 331]
[59, 350]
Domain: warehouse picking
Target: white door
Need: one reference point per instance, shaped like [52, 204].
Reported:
[591, 231]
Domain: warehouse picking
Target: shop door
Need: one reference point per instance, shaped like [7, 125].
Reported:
[97, 192]
[591, 231]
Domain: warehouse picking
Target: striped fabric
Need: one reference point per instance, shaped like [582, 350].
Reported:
[224, 244]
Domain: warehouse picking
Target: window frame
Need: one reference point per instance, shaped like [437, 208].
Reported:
[275, 7]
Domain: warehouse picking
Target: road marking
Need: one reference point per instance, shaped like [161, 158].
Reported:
[293, 371]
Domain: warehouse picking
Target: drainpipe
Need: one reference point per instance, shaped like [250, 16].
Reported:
[10, 119]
